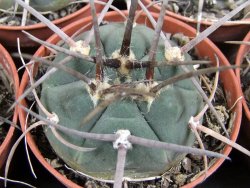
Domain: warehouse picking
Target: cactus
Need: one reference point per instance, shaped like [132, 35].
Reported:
[40, 5]
[120, 101]
[162, 118]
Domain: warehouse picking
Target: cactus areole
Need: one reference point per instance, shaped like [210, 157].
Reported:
[162, 117]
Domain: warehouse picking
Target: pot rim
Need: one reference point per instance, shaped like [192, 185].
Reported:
[203, 22]
[178, 23]
[5, 146]
[239, 58]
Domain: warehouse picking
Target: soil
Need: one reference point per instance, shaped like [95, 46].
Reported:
[10, 20]
[210, 12]
[190, 167]
[6, 100]
[245, 79]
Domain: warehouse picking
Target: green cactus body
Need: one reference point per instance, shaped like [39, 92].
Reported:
[165, 120]
[39, 5]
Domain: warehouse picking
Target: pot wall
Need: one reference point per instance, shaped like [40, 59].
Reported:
[8, 64]
[239, 58]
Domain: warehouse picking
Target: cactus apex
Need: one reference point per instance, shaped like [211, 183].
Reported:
[123, 70]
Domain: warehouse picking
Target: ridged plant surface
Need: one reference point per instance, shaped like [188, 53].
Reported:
[166, 119]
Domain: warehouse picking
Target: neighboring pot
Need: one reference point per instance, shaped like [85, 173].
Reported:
[9, 34]
[243, 50]
[205, 49]
[244, 137]
[10, 68]
[234, 30]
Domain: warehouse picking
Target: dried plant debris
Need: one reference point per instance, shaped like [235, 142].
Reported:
[11, 18]
[6, 100]
[3, 131]
[245, 79]
[212, 9]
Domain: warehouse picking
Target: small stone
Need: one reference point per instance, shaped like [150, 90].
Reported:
[13, 23]
[180, 179]
[63, 13]
[56, 16]
[68, 9]
[176, 8]
[3, 20]
[90, 184]
[55, 163]
[165, 182]
[186, 164]
[51, 17]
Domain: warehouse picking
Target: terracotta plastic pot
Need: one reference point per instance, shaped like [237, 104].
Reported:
[244, 137]
[204, 49]
[235, 30]
[243, 50]
[10, 68]
[9, 34]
